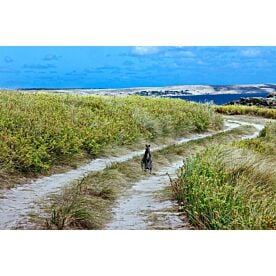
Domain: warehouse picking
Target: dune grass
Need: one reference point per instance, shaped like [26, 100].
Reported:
[87, 204]
[233, 186]
[246, 110]
[40, 130]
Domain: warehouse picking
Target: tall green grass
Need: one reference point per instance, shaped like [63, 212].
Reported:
[40, 130]
[230, 187]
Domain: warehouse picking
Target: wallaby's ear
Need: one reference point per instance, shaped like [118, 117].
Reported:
[149, 145]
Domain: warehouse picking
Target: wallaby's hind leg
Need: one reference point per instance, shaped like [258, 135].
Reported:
[142, 165]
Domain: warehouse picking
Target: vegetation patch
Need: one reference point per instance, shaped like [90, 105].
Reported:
[39, 131]
[231, 187]
[264, 144]
[246, 110]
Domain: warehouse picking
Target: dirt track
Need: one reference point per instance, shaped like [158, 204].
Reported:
[18, 202]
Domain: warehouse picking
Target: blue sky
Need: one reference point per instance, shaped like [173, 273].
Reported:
[111, 67]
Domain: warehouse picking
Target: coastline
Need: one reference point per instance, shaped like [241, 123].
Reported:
[168, 91]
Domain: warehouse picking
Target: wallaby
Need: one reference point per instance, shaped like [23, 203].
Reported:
[146, 162]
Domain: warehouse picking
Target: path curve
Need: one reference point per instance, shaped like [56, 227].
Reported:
[139, 209]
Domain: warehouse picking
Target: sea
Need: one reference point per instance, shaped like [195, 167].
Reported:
[219, 99]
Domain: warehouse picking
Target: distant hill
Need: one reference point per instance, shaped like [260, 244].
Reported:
[177, 90]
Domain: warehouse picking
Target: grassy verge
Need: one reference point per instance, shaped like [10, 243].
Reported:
[233, 186]
[246, 110]
[41, 131]
[87, 205]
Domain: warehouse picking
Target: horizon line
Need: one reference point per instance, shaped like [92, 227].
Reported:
[130, 87]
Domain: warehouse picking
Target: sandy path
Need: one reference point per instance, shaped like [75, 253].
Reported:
[17, 202]
[140, 208]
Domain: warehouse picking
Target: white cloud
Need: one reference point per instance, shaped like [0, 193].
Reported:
[233, 65]
[251, 52]
[145, 50]
[187, 54]
[173, 53]
[51, 57]
[200, 62]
